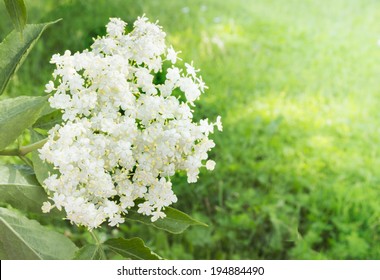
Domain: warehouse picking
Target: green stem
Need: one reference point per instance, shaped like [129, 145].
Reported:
[95, 237]
[30, 148]
[22, 151]
[10, 152]
[26, 160]
[102, 254]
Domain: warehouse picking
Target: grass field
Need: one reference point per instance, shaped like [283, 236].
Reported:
[297, 85]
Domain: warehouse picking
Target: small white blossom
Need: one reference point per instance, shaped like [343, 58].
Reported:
[191, 70]
[157, 215]
[46, 207]
[172, 55]
[145, 208]
[210, 165]
[219, 123]
[116, 220]
[115, 27]
[123, 135]
[49, 87]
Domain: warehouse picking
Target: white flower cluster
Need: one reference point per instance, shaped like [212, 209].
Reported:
[123, 134]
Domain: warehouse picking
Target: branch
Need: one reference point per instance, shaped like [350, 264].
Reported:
[22, 151]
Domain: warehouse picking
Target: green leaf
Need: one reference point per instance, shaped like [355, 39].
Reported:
[21, 238]
[13, 51]
[17, 114]
[175, 221]
[133, 248]
[49, 120]
[41, 168]
[17, 11]
[90, 252]
[20, 188]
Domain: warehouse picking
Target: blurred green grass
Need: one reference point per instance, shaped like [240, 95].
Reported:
[297, 86]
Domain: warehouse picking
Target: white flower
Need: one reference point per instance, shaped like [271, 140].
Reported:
[206, 128]
[210, 165]
[157, 215]
[46, 207]
[145, 208]
[59, 200]
[173, 74]
[191, 70]
[190, 88]
[116, 220]
[123, 134]
[111, 208]
[49, 87]
[219, 123]
[172, 55]
[115, 27]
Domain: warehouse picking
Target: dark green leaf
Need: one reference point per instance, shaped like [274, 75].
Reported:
[21, 238]
[20, 188]
[17, 114]
[17, 11]
[13, 51]
[49, 120]
[133, 248]
[90, 252]
[41, 168]
[174, 222]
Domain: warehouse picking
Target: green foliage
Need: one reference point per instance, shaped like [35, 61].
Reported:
[16, 115]
[91, 252]
[13, 50]
[20, 189]
[17, 11]
[175, 221]
[42, 169]
[134, 249]
[48, 119]
[22, 238]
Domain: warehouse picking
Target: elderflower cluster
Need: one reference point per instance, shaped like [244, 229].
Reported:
[123, 133]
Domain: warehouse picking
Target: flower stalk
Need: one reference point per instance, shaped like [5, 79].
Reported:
[23, 151]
